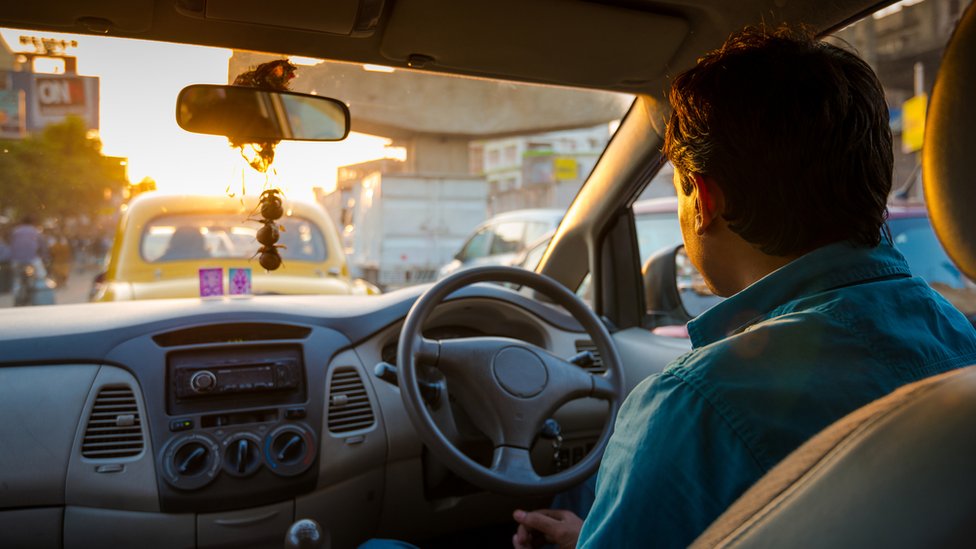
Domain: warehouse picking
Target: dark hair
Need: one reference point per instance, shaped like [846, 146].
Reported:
[795, 133]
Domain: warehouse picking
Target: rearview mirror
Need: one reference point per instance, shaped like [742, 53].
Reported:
[244, 113]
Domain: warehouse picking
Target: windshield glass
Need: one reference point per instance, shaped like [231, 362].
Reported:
[88, 128]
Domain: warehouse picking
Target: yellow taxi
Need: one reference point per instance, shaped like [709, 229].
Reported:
[163, 241]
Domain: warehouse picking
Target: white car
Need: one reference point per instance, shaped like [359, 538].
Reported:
[501, 239]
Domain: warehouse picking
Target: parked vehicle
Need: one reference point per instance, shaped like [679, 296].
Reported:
[162, 241]
[502, 239]
[401, 227]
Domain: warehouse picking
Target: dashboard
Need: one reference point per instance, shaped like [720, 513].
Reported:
[196, 423]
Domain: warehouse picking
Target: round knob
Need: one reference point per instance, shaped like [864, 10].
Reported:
[191, 459]
[242, 455]
[203, 381]
[191, 462]
[289, 449]
[304, 534]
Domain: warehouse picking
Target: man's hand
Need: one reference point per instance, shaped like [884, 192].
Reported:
[546, 526]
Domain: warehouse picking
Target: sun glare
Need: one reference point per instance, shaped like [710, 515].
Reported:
[139, 84]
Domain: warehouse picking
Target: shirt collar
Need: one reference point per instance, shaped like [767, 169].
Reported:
[831, 266]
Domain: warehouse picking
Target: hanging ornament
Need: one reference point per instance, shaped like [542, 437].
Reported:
[273, 75]
[271, 209]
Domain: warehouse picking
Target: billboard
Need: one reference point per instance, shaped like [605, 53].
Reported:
[49, 98]
[60, 96]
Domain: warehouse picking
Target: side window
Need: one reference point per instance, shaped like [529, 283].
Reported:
[508, 238]
[656, 231]
[477, 246]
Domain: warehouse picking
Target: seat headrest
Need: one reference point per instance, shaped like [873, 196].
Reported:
[948, 161]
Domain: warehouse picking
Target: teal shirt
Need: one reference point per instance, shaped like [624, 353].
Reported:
[770, 367]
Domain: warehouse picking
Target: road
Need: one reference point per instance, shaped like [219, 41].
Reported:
[75, 291]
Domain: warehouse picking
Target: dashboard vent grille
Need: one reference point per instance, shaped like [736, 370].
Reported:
[114, 429]
[597, 366]
[349, 407]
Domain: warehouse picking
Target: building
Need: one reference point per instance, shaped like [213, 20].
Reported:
[543, 170]
[30, 99]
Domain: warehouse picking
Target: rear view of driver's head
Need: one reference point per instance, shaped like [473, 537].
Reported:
[794, 131]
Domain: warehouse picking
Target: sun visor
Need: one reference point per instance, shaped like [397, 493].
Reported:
[340, 17]
[558, 41]
[129, 16]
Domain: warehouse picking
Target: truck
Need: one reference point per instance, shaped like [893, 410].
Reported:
[399, 228]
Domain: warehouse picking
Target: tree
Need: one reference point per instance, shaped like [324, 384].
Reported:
[60, 173]
[147, 184]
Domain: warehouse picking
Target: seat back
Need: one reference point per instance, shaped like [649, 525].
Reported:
[900, 472]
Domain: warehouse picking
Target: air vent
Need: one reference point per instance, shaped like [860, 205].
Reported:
[349, 407]
[597, 366]
[114, 429]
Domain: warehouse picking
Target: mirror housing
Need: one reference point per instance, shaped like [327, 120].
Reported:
[253, 114]
[661, 294]
[674, 290]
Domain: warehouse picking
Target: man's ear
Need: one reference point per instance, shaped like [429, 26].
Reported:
[708, 202]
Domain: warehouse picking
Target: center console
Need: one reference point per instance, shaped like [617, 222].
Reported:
[240, 428]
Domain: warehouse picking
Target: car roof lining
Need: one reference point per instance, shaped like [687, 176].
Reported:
[565, 42]
[554, 38]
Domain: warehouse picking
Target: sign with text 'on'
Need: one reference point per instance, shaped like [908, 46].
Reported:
[60, 94]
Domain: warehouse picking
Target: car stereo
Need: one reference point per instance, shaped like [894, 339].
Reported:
[218, 378]
[207, 379]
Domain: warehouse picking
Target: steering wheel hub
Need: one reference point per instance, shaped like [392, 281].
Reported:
[520, 372]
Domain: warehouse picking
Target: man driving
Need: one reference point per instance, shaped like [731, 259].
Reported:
[783, 166]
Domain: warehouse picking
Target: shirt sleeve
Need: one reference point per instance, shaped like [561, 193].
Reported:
[672, 466]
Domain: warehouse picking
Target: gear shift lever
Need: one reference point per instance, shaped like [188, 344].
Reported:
[305, 534]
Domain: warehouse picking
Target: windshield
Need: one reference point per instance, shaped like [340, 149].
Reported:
[88, 129]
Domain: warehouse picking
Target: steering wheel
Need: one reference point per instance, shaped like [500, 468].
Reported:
[515, 385]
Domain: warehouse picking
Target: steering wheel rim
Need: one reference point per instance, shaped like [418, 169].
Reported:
[511, 471]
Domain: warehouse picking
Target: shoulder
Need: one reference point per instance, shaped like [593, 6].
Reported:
[673, 464]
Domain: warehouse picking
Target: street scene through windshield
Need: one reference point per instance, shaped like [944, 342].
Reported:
[103, 194]
[440, 174]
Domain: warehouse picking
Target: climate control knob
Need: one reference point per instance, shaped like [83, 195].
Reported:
[191, 462]
[203, 381]
[289, 449]
[242, 454]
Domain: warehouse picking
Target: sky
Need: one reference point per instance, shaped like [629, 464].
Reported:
[139, 84]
